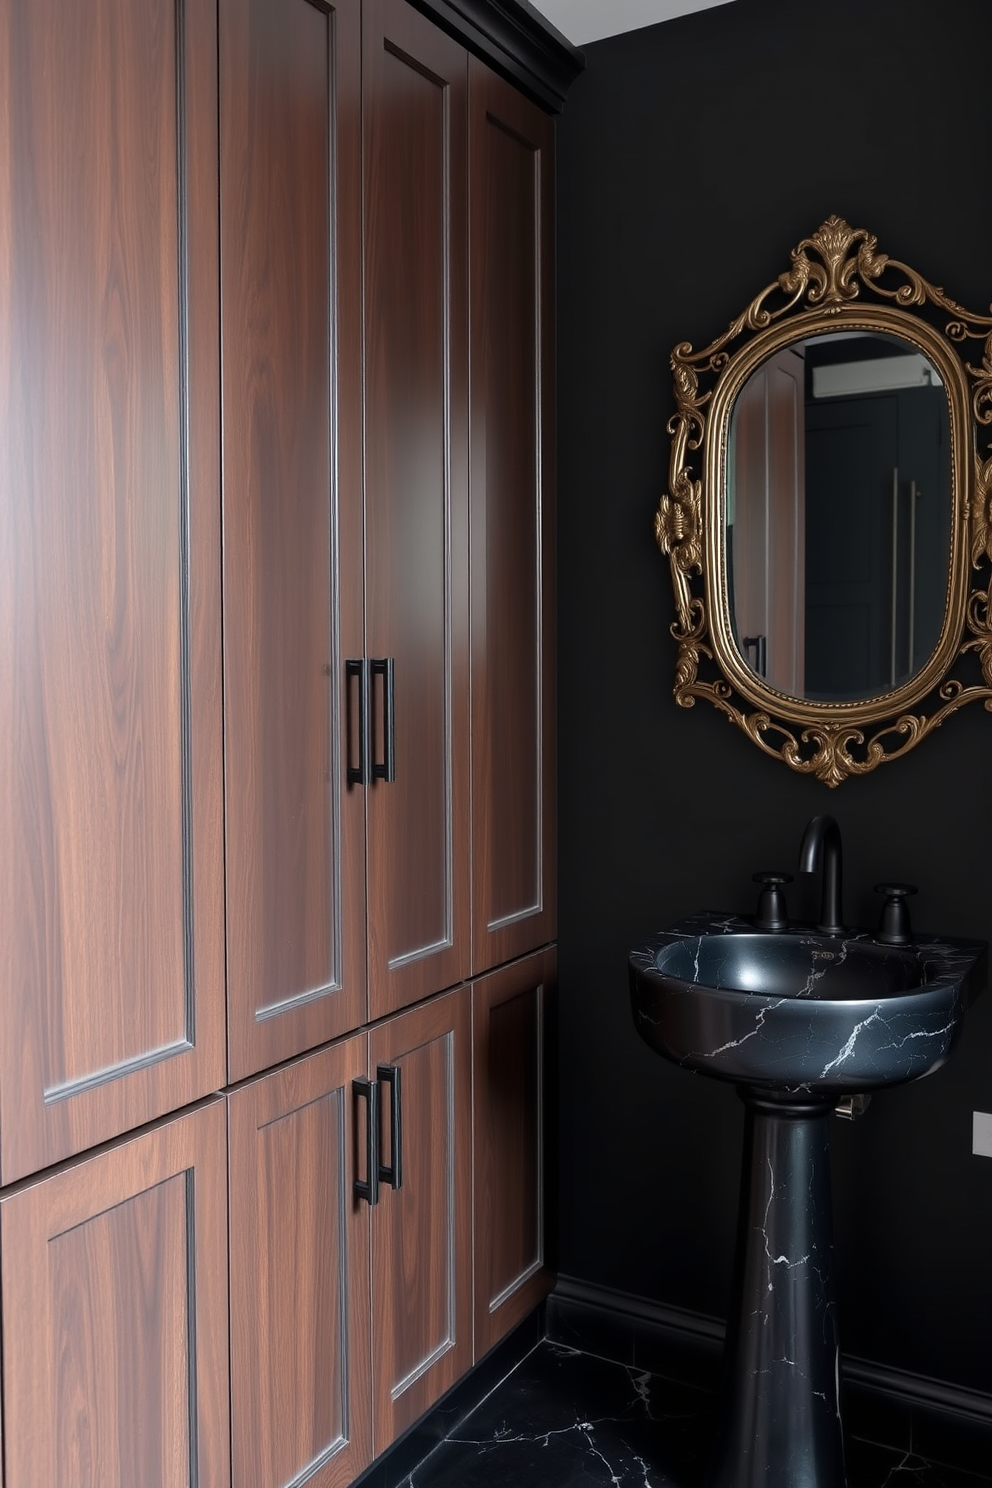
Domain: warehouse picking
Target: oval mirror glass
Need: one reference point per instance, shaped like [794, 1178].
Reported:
[838, 515]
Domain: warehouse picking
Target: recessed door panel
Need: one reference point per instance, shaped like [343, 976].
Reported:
[115, 1315]
[416, 500]
[421, 1232]
[299, 1277]
[510, 1016]
[511, 231]
[290, 237]
[110, 760]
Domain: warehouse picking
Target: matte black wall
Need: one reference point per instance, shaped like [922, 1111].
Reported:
[692, 157]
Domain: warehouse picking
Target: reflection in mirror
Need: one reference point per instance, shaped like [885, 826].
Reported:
[838, 511]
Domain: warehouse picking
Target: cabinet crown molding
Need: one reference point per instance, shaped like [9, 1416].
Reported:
[515, 40]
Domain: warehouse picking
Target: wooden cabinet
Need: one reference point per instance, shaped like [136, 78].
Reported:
[422, 1231]
[315, 578]
[290, 136]
[299, 565]
[300, 1309]
[511, 189]
[416, 484]
[111, 830]
[512, 1017]
[275, 663]
[115, 1315]
[319, 1377]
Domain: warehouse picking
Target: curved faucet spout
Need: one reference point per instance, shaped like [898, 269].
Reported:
[821, 849]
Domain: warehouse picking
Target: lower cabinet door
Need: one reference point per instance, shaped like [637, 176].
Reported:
[115, 1315]
[300, 1386]
[422, 1226]
[510, 1013]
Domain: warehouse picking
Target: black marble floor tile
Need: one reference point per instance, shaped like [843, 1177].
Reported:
[565, 1419]
[871, 1466]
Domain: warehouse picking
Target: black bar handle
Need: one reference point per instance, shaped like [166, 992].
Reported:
[385, 667]
[759, 644]
[358, 774]
[368, 1188]
[392, 1173]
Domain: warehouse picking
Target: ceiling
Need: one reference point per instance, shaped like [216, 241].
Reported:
[583, 21]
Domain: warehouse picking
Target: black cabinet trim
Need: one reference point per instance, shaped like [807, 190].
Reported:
[516, 41]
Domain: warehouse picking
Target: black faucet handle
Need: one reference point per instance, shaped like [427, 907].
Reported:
[772, 914]
[894, 927]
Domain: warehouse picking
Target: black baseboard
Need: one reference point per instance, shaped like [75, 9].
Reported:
[890, 1407]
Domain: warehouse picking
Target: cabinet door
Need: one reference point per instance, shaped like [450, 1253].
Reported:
[512, 489]
[421, 1232]
[510, 1011]
[291, 303]
[416, 500]
[300, 1363]
[111, 830]
[115, 1316]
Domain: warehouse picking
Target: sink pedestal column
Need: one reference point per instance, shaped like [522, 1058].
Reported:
[782, 1425]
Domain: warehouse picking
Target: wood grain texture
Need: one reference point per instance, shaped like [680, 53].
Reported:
[509, 1018]
[422, 1232]
[291, 246]
[417, 498]
[115, 1315]
[512, 493]
[300, 1307]
[767, 539]
[111, 850]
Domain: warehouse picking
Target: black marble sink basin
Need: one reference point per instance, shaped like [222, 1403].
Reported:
[799, 1011]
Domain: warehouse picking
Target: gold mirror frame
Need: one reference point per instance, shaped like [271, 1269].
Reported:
[838, 281]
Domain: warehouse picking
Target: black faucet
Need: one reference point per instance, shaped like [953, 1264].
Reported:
[820, 848]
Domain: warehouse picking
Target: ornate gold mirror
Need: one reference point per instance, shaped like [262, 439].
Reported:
[828, 522]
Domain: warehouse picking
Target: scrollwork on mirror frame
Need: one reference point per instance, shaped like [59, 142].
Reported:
[833, 271]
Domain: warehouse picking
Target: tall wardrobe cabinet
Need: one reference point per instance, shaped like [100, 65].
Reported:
[111, 791]
[346, 600]
[291, 246]
[276, 768]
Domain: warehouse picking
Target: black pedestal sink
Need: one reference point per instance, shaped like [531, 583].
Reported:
[796, 1020]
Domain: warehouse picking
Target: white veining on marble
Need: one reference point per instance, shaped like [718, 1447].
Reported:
[908, 1463]
[505, 1436]
[642, 1384]
[837, 1379]
[848, 1049]
[918, 1033]
[644, 1469]
[588, 1429]
[782, 1260]
[760, 1016]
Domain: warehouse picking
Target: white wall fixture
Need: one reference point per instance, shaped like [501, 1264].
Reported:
[981, 1133]
[877, 375]
[583, 21]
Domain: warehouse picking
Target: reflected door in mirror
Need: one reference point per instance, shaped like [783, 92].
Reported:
[838, 499]
[766, 520]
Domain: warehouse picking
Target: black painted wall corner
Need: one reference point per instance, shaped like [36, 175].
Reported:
[692, 157]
